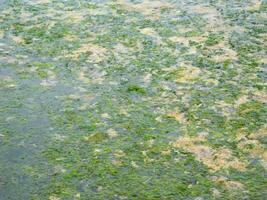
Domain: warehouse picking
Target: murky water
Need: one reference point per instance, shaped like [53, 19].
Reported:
[133, 99]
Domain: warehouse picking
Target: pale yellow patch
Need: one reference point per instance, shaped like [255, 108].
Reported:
[228, 53]
[147, 79]
[241, 100]
[134, 165]
[203, 134]
[117, 163]
[253, 147]
[98, 80]
[8, 82]
[74, 17]
[50, 81]
[10, 119]
[121, 49]
[151, 32]
[119, 153]
[166, 152]
[236, 28]
[169, 69]
[70, 38]
[201, 9]
[149, 8]
[264, 59]
[223, 158]
[159, 119]
[230, 185]
[26, 16]
[80, 89]
[177, 115]
[98, 151]
[124, 54]
[50, 13]
[78, 195]
[150, 143]
[100, 11]
[2, 33]
[146, 158]
[255, 5]
[60, 137]
[4, 48]
[260, 96]
[124, 111]
[95, 52]
[7, 11]
[59, 169]
[87, 97]
[54, 198]
[75, 96]
[82, 77]
[212, 81]
[85, 106]
[180, 40]
[210, 14]
[112, 133]
[260, 133]
[40, 2]
[186, 42]
[214, 159]
[225, 107]
[198, 39]
[105, 116]
[216, 193]
[99, 188]
[188, 74]
[184, 29]
[192, 50]
[71, 17]
[214, 20]
[96, 77]
[17, 39]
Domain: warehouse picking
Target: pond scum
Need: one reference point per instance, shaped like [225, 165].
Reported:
[145, 100]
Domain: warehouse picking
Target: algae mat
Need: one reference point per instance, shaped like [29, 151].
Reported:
[133, 99]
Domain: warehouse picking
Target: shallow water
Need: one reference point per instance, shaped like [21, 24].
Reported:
[133, 99]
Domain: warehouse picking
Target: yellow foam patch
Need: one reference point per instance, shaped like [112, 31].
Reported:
[149, 8]
[215, 159]
[95, 53]
[188, 74]
[229, 184]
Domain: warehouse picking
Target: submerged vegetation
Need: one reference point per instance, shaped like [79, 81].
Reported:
[134, 99]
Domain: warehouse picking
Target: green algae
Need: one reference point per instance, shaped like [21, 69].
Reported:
[133, 100]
